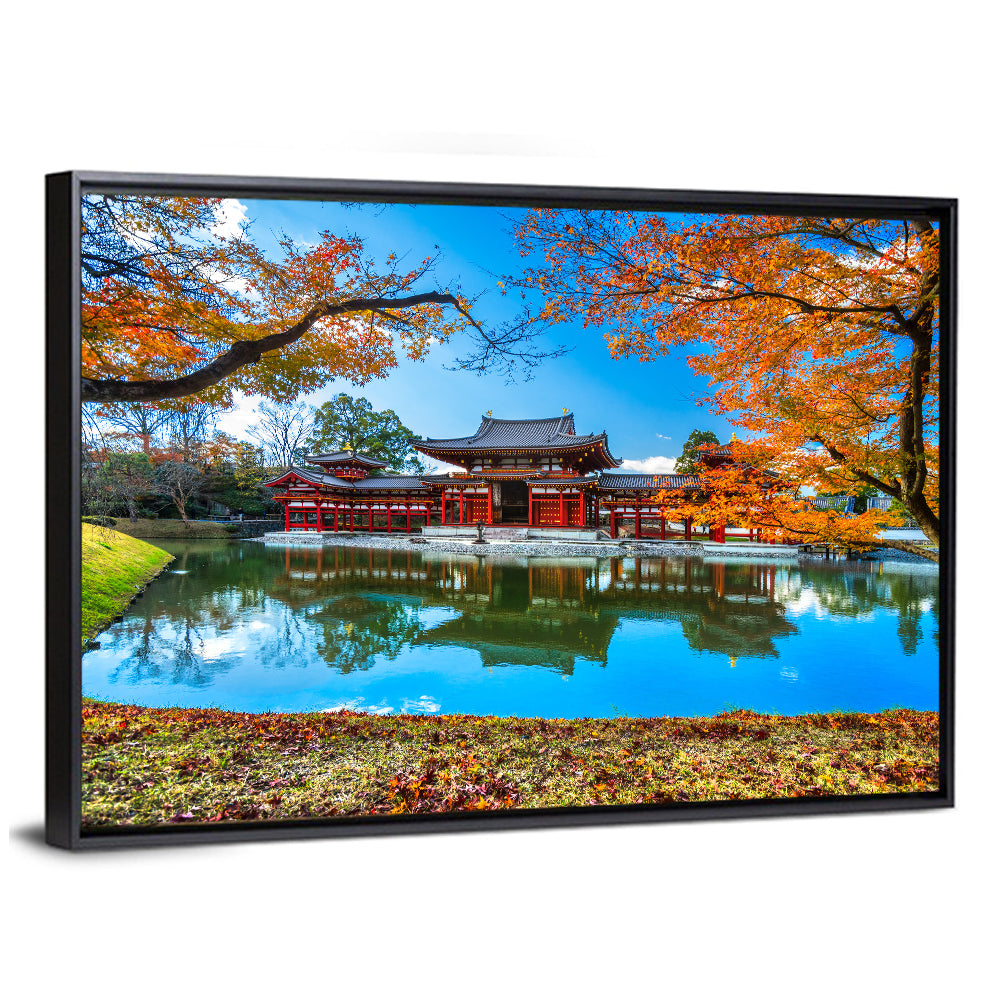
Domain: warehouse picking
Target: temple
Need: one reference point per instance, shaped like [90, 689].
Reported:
[537, 473]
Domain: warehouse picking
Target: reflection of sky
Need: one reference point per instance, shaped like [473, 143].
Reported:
[825, 641]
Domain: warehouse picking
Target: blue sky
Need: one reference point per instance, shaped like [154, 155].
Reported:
[648, 410]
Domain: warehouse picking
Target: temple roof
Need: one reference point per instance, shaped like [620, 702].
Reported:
[346, 456]
[309, 476]
[386, 481]
[546, 433]
[647, 481]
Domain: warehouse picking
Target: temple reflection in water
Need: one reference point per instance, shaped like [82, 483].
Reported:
[258, 628]
[537, 612]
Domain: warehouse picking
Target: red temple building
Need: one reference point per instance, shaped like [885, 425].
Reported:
[534, 473]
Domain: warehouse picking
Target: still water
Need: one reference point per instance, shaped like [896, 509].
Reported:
[254, 628]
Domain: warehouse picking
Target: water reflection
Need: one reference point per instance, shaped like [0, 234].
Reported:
[245, 619]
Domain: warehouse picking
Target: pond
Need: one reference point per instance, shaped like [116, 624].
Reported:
[252, 628]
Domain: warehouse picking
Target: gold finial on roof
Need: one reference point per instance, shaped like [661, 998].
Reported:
[565, 409]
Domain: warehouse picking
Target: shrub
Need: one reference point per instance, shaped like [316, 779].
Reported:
[100, 522]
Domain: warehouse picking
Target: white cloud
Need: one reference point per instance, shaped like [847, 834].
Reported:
[239, 418]
[230, 215]
[653, 464]
[665, 437]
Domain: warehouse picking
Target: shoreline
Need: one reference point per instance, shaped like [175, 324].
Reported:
[602, 549]
[145, 766]
[114, 578]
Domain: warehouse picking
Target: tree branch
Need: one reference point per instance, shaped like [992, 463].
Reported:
[245, 352]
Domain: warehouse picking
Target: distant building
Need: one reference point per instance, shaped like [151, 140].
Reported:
[536, 473]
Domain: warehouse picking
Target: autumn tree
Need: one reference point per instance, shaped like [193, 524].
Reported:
[345, 422]
[818, 336]
[688, 461]
[178, 303]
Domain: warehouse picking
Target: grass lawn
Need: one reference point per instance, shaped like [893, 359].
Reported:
[152, 766]
[114, 568]
[166, 527]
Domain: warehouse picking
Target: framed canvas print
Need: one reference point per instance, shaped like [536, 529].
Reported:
[401, 506]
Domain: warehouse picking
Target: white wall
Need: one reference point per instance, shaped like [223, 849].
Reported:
[850, 97]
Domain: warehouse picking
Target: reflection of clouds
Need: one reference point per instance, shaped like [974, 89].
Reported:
[810, 600]
[215, 647]
[424, 704]
[358, 705]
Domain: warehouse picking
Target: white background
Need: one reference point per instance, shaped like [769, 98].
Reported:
[863, 98]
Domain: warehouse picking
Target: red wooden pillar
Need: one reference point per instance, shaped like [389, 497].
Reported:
[489, 503]
[388, 517]
[687, 528]
[319, 517]
[371, 520]
[288, 522]
[638, 521]
[351, 515]
[582, 518]
[407, 518]
[562, 508]
[531, 506]
[663, 527]
[461, 507]
[336, 517]
[611, 511]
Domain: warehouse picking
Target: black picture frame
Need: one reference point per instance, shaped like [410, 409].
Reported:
[64, 192]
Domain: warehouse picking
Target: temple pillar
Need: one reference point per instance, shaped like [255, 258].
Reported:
[371, 520]
[319, 516]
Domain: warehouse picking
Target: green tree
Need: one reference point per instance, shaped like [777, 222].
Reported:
[349, 424]
[688, 462]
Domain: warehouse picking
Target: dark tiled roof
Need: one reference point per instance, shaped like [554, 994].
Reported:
[494, 433]
[646, 481]
[384, 482]
[311, 476]
[346, 456]
[388, 482]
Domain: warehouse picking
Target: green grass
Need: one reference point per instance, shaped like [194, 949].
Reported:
[174, 528]
[115, 566]
[147, 766]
